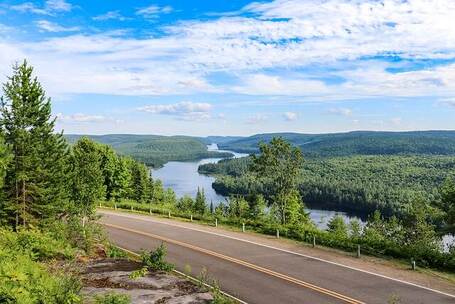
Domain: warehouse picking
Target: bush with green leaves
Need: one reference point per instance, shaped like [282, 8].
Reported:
[113, 298]
[155, 259]
[115, 252]
[24, 278]
[38, 245]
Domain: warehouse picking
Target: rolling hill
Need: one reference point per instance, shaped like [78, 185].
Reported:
[155, 150]
[356, 143]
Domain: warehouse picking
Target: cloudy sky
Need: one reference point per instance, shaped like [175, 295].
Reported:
[238, 67]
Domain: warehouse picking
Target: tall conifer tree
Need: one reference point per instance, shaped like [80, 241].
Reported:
[35, 186]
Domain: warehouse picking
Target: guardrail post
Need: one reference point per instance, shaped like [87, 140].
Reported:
[314, 241]
[115, 206]
[243, 227]
[100, 204]
[413, 265]
[132, 208]
[150, 210]
[358, 251]
[216, 222]
[169, 214]
[191, 218]
[277, 233]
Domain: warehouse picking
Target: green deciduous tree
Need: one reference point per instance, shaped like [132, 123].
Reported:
[337, 226]
[37, 174]
[139, 182]
[87, 180]
[448, 204]
[279, 165]
[121, 180]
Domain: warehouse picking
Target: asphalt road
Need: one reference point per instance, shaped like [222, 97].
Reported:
[259, 274]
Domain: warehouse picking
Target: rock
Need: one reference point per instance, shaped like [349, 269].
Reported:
[113, 275]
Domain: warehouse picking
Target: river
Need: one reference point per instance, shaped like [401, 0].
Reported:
[184, 179]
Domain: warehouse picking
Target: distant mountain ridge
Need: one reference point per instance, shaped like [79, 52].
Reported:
[155, 150]
[356, 143]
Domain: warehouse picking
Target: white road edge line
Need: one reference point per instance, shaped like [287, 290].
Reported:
[141, 217]
[190, 277]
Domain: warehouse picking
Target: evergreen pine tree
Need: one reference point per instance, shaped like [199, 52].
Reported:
[36, 177]
[200, 201]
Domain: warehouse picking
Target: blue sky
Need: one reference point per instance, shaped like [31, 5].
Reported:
[238, 67]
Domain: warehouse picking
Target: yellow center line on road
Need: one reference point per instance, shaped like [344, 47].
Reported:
[243, 263]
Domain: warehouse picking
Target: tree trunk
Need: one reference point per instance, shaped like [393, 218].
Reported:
[24, 197]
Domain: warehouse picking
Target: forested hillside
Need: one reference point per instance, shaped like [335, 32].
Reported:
[360, 184]
[155, 150]
[356, 143]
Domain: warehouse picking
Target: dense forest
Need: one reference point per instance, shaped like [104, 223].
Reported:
[360, 184]
[356, 143]
[155, 150]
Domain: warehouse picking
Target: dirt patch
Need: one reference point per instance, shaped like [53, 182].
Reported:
[113, 275]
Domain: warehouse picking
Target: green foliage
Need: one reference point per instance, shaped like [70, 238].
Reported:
[200, 203]
[88, 181]
[448, 203]
[115, 252]
[113, 298]
[36, 186]
[155, 259]
[238, 207]
[154, 150]
[279, 166]
[356, 143]
[139, 273]
[338, 227]
[40, 246]
[359, 184]
[24, 279]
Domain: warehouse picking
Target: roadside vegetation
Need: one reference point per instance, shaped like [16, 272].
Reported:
[274, 203]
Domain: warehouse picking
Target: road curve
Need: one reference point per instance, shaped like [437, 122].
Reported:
[260, 274]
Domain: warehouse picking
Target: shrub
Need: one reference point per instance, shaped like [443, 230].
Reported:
[113, 298]
[38, 245]
[23, 280]
[115, 252]
[154, 260]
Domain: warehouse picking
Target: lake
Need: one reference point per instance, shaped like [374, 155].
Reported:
[184, 179]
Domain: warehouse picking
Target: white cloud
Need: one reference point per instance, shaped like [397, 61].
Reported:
[54, 27]
[448, 101]
[81, 118]
[340, 111]
[290, 116]
[261, 84]
[111, 15]
[153, 11]
[50, 7]
[257, 119]
[180, 61]
[185, 110]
